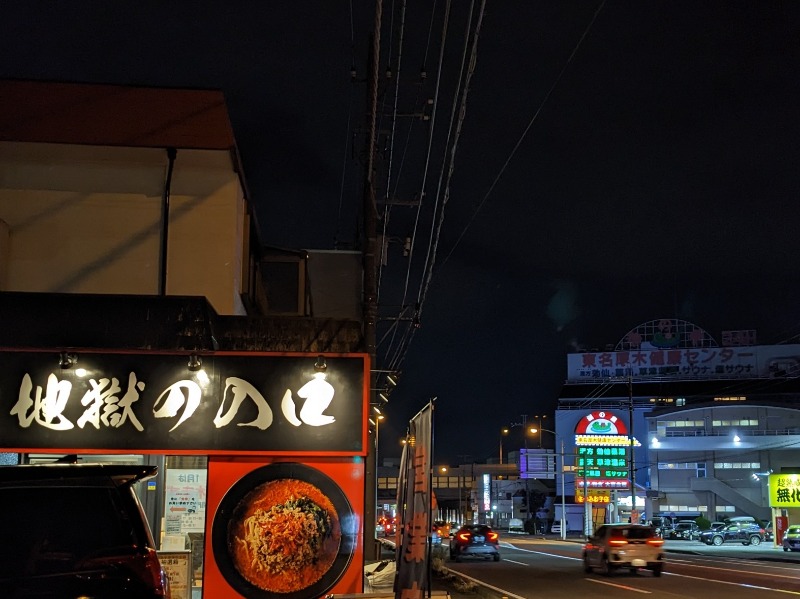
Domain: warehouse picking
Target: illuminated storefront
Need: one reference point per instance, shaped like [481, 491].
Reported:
[251, 418]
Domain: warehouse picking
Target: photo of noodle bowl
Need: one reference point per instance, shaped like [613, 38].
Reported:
[284, 535]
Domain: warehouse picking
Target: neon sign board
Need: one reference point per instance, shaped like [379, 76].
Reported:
[784, 490]
[603, 453]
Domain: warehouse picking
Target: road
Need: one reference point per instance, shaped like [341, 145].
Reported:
[535, 567]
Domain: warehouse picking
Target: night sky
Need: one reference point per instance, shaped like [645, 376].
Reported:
[617, 162]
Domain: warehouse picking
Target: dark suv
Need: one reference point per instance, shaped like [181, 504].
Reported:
[475, 540]
[77, 530]
[739, 532]
[685, 529]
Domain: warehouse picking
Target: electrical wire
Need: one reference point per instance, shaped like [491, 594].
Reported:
[426, 167]
[524, 134]
[348, 131]
[387, 204]
[457, 116]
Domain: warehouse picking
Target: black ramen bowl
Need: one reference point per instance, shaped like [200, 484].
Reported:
[229, 510]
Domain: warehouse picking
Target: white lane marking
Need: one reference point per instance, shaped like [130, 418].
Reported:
[577, 559]
[738, 570]
[620, 586]
[736, 584]
[511, 561]
[503, 592]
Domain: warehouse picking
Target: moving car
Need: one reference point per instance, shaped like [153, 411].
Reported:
[475, 540]
[738, 532]
[78, 530]
[389, 526]
[442, 527]
[791, 538]
[632, 546]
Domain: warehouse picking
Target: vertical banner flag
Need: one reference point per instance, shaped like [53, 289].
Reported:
[413, 507]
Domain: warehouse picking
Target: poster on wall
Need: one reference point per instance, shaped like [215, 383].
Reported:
[185, 499]
[284, 529]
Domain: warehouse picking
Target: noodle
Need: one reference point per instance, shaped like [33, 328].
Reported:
[284, 535]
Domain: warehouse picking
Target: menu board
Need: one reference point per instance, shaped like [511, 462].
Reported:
[178, 566]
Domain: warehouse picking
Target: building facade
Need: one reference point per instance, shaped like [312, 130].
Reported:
[143, 318]
[709, 422]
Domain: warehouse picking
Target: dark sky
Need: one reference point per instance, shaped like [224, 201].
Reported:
[617, 162]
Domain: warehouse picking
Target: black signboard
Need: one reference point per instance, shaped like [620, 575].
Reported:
[168, 403]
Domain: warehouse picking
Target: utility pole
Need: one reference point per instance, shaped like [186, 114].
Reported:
[527, 491]
[563, 495]
[369, 262]
[632, 469]
[461, 487]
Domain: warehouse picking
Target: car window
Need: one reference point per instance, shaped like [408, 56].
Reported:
[72, 524]
[793, 530]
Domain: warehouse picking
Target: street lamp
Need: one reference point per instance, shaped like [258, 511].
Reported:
[563, 487]
[503, 432]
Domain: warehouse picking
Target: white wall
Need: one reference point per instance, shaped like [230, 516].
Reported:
[87, 219]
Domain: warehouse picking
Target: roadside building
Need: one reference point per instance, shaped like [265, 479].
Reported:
[697, 424]
[145, 322]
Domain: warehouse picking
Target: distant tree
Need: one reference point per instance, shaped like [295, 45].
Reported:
[703, 523]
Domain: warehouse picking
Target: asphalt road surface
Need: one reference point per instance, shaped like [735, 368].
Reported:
[533, 567]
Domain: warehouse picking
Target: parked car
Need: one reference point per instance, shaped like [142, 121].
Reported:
[632, 546]
[769, 533]
[516, 525]
[662, 525]
[744, 533]
[475, 540]
[78, 530]
[791, 538]
[556, 527]
[687, 530]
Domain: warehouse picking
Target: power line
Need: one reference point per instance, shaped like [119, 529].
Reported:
[524, 134]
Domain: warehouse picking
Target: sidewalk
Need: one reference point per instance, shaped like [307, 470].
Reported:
[379, 577]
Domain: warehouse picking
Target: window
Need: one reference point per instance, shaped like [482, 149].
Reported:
[681, 466]
[737, 465]
[680, 424]
[729, 423]
[694, 509]
[731, 398]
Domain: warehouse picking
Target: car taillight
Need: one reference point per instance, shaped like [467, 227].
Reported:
[655, 542]
[493, 536]
[464, 536]
[152, 571]
[617, 542]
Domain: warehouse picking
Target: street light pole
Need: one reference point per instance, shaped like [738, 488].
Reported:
[527, 491]
[503, 431]
[377, 422]
[461, 486]
[563, 483]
